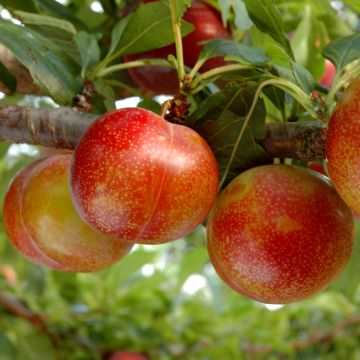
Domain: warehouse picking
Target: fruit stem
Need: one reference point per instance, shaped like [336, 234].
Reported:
[100, 67]
[178, 42]
[196, 68]
[164, 108]
[132, 64]
[217, 71]
[283, 84]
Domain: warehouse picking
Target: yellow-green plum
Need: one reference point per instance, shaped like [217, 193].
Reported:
[14, 225]
[52, 224]
[141, 178]
[343, 146]
[279, 234]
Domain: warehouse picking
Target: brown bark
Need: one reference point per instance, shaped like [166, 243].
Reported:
[63, 127]
[304, 140]
[14, 307]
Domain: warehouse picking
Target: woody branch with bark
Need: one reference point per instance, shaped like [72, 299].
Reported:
[62, 127]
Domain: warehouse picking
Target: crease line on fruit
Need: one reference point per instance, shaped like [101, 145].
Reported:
[162, 181]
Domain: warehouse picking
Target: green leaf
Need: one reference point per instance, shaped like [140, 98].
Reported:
[267, 18]
[234, 52]
[117, 32]
[343, 51]
[277, 98]
[307, 42]
[7, 78]
[35, 346]
[285, 67]
[126, 267]
[109, 6]
[180, 8]
[4, 146]
[45, 21]
[144, 28]
[68, 285]
[150, 104]
[61, 32]
[54, 8]
[276, 53]
[35, 279]
[303, 77]
[89, 50]
[7, 348]
[336, 25]
[192, 262]
[242, 20]
[106, 92]
[50, 67]
[219, 120]
[20, 4]
[355, 5]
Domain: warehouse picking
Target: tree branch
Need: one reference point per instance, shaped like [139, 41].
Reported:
[300, 140]
[14, 307]
[63, 127]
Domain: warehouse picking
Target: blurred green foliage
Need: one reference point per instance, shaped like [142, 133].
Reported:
[166, 301]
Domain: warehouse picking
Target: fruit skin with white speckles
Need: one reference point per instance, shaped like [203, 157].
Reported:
[279, 234]
[42, 223]
[343, 146]
[139, 177]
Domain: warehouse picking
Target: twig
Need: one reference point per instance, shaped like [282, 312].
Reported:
[15, 307]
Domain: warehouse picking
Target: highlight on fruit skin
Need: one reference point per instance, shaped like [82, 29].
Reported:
[141, 178]
[42, 224]
[343, 146]
[279, 234]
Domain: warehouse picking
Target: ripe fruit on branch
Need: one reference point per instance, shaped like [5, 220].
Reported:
[14, 225]
[142, 178]
[163, 80]
[126, 355]
[279, 234]
[42, 223]
[328, 75]
[343, 146]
